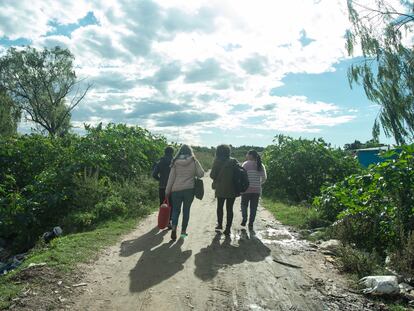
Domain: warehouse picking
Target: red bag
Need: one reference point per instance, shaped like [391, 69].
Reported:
[164, 214]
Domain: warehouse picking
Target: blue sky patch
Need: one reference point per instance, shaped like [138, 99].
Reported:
[304, 40]
[5, 42]
[66, 30]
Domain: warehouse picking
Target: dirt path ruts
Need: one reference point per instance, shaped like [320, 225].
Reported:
[206, 271]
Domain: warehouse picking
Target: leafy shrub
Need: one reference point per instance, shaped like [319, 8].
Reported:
[80, 220]
[13, 206]
[314, 220]
[136, 194]
[403, 259]
[112, 207]
[118, 151]
[74, 181]
[297, 168]
[375, 209]
[99, 199]
[25, 157]
[361, 263]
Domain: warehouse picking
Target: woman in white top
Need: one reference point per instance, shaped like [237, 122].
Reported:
[184, 168]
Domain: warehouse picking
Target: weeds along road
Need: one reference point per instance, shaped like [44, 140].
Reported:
[207, 271]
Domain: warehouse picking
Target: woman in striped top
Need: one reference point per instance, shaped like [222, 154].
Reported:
[257, 176]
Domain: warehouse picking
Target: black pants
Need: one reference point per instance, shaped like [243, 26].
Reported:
[161, 193]
[229, 211]
[251, 199]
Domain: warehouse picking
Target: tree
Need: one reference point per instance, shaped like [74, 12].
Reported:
[40, 83]
[9, 115]
[387, 69]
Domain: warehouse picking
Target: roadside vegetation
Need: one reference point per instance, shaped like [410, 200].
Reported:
[294, 215]
[369, 210]
[325, 193]
[62, 256]
[96, 186]
[76, 182]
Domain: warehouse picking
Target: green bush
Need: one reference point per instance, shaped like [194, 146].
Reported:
[355, 261]
[297, 168]
[136, 194]
[98, 199]
[118, 151]
[403, 259]
[80, 220]
[112, 207]
[74, 181]
[375, 209]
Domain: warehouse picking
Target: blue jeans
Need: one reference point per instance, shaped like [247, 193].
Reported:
[253, 199]
[182, 198]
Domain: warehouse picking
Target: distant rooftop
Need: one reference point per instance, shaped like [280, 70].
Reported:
[383, 148]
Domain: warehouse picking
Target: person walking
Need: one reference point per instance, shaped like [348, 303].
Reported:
[222, 174]
[184, 169]
[256, 172]
[161, 171]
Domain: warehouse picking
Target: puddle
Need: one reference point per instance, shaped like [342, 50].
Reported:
[275, 234]
[280, 237]
[256, 307]
[270, 236]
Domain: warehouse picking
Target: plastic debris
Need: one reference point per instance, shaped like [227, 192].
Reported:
[49, 236]
[380, 285]
[32, 265]
[12, 263]
[405, 288]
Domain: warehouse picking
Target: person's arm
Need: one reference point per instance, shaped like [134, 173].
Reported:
[171, 179]
[199, 169]
[213, 173]
[156, 171]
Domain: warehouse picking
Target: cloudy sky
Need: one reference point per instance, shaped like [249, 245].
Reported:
[205, 72]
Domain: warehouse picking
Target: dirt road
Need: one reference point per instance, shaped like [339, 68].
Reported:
[207, 271]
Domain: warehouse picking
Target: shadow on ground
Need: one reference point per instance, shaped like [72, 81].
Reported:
[219, 254]
[143, 243]
[157, 265]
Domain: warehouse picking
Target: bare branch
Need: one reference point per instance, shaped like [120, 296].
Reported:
[74, 103]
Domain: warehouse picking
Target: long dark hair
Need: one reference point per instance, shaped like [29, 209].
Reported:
[223, 152]
[257, 158]
[184, 150]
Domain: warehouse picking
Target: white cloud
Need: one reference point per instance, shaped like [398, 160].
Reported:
[31, 19]
[209, 55]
